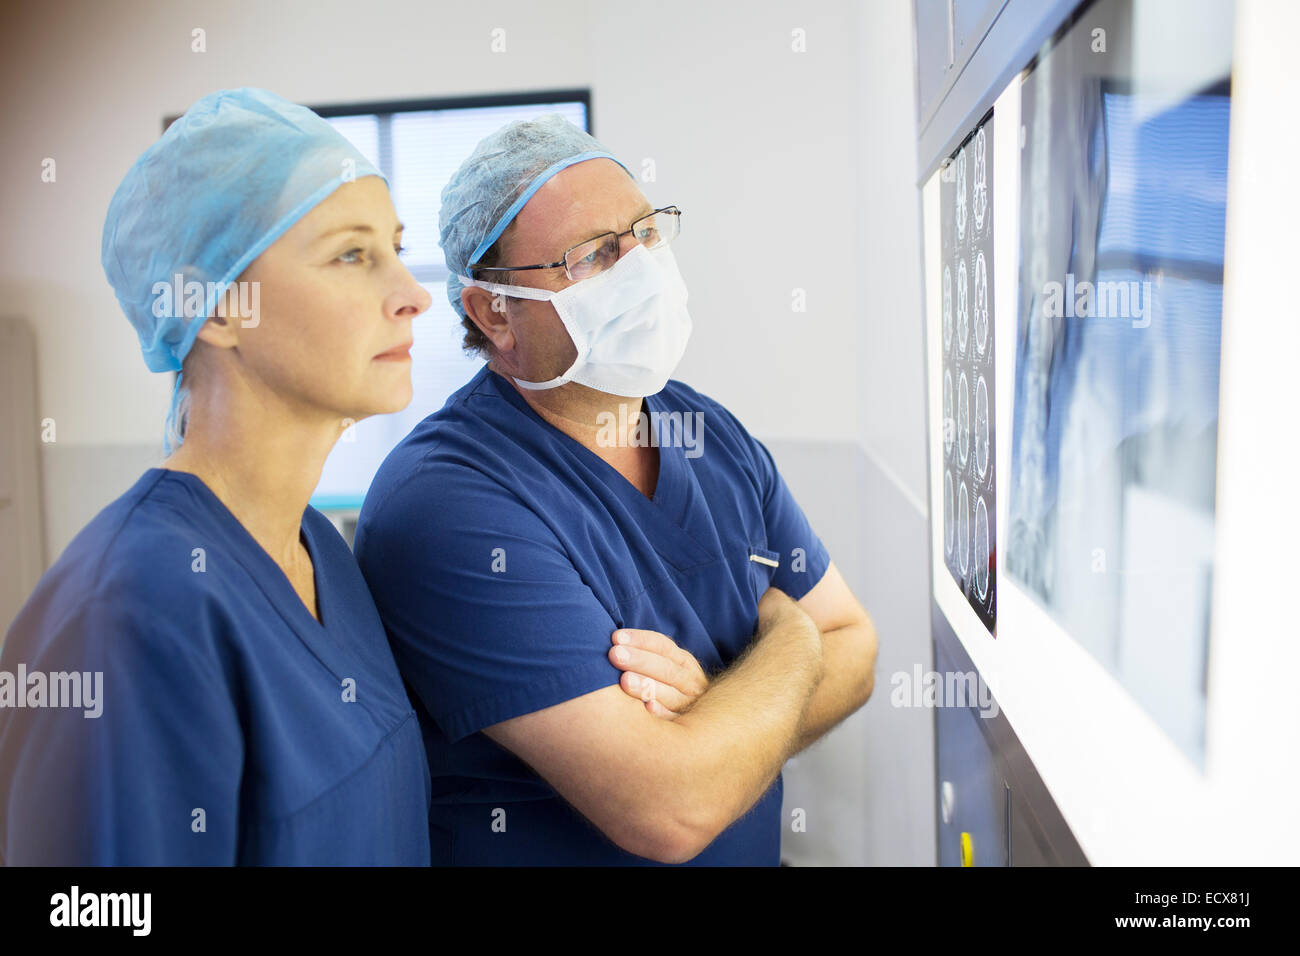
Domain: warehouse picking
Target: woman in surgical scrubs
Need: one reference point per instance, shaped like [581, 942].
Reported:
[202, 677]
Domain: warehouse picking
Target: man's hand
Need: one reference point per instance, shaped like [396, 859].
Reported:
[666, 787]
[666, 678]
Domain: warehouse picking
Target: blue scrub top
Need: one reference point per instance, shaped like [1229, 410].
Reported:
[502, 555]
[226, 735]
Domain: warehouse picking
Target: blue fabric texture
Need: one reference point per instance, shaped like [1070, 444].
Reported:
[233, 726]
[502, 554]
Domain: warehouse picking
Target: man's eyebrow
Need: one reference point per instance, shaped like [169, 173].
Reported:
[644, 211]
[355, 227]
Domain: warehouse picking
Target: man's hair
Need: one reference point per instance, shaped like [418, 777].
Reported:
[475, 342]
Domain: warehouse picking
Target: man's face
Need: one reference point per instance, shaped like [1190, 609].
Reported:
[576, 204]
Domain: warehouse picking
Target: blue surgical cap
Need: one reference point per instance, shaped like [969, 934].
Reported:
[499, 177]
[226, 180]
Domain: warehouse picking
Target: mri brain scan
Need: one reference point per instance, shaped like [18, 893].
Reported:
[963, 310]
[963, 419]
[964, 334]
[947, 513]
[963, 528]
[949, 425]
[979, 204]
[961, 196]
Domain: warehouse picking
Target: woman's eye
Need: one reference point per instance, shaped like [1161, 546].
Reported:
[348, 257]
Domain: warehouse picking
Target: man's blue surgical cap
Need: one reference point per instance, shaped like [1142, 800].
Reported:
[223, 182]
[499, 177]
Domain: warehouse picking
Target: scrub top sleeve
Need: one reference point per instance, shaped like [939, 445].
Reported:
[154, 779]
[488, 616]
[804, 559]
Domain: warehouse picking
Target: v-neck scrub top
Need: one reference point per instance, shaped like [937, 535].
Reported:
[502, 555]
[234, 727]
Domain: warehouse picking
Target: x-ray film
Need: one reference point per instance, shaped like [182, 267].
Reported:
[969, 510]
[1122, 215]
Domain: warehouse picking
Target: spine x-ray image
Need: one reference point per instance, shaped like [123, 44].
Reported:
[1123, 204]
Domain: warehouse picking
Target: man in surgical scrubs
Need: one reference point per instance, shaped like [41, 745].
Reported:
[616, 629]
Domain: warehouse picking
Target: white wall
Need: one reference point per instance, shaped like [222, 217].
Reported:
[794, 171]
[88, 84]
[758, 144]
[889, 357]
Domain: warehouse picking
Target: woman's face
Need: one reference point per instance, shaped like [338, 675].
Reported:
[335, 305]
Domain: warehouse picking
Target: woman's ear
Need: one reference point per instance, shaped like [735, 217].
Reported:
[235, 309]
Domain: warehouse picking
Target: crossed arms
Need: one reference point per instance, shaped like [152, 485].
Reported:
[663, 778]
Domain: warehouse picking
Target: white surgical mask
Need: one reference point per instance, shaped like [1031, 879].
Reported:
[629, 323]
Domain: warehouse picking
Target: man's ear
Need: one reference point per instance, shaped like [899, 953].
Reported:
[487, 310]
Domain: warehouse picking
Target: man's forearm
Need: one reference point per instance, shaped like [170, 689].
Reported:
[849, 657]
[742, 729]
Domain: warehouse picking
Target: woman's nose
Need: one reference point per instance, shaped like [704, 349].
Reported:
[411, 299]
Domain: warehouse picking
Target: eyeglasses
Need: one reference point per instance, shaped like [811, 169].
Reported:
[599, 253]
